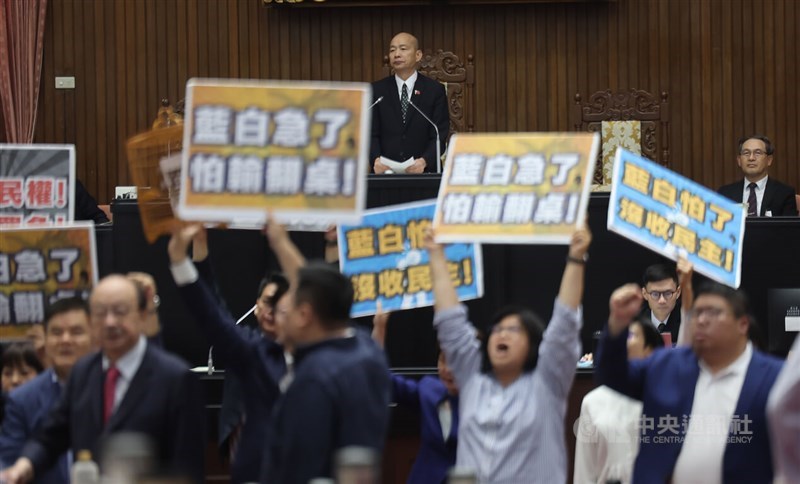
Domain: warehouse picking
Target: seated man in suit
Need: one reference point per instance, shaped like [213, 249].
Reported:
[661, 291]
[704, 406]
[764, 196]
[129, 386]
[399, 132]
[67, 339]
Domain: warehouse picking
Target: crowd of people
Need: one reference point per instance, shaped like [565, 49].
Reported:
[304, 384]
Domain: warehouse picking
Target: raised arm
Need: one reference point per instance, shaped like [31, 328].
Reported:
[289, 256]
[405, 391]
[235, 344]
[456, 336]
[444, 294]
[612, 367]
[685, 272]
[560, 347]
[379, 323]
[571, 291]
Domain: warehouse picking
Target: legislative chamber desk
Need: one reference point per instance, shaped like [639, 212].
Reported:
[522, 274]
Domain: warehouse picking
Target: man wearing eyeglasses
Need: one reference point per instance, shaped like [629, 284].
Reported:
[129, 386]
[704, 405]
[661, 291]
[763, 196]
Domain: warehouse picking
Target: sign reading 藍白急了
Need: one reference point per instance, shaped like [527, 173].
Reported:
[37, 184]
[386, 259]
[677, 217]
[298, 148]
[39, 265]
[515, 188]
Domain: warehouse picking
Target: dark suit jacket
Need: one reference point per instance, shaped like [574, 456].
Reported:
[673, 322]
[778, 198]
[163, 401]
[436, 455]
[86, 206]
[26, 409]
[416, 138]
[257, 362]
[665, 383]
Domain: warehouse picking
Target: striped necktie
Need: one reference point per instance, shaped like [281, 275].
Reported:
[404, 102]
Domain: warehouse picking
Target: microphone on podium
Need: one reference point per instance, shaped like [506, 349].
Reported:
[377, 101]
[211, 348]
[436, 128]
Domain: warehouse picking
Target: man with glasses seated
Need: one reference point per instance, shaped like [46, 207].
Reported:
[763, 196]
[704, 405]
[661, 291]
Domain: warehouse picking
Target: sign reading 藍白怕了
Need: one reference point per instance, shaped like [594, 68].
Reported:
[386, 259]
[677, 217]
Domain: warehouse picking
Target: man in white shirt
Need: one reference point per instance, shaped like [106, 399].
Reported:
[763, 196]
[704, 412]
[783, 411]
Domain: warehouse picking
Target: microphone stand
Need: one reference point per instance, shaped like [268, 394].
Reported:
[375, 103]
[436, 128]
[211, 348]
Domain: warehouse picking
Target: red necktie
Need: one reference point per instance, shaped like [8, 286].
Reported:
[108, 392]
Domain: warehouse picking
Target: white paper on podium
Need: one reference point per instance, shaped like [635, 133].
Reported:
[397, 166]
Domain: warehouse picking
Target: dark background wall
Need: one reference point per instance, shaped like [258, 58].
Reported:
[729, 66]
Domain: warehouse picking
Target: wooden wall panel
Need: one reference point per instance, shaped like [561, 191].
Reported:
[730, 66]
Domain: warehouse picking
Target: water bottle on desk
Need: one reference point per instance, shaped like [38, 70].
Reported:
[85, 470]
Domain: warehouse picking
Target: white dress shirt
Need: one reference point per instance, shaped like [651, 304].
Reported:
[656, 322]
[715, 398]
[607, 438]
[783, 415]
[127, 365]
[761, 185]
[445, 417]
[412, 79]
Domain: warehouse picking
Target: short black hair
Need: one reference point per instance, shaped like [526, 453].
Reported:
[64, 306]
[737, 300]
[767, 143]
[281, 283]
[329, 293]
[22, 353]
[531, 324]
[652, 338]
[659, 272]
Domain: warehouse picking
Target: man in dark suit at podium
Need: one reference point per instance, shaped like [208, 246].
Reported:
[399, 132]
[763, 196]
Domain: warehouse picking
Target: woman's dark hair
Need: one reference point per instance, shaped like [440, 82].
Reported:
[531, 324]
[652, 338]
[17, 354]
